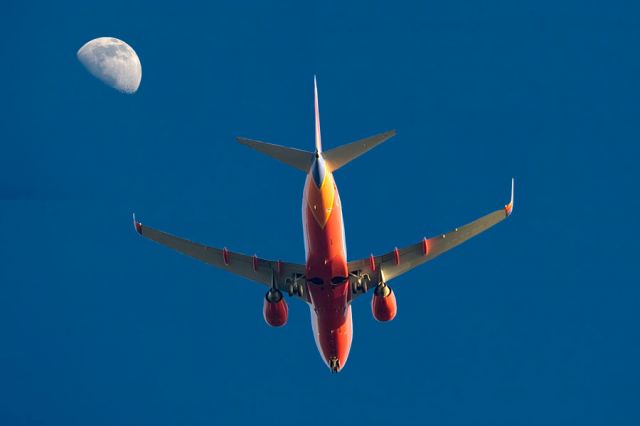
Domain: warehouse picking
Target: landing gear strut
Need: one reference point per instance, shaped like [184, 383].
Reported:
[334, 364]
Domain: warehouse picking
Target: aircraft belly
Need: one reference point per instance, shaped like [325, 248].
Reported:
[333, 334]
[326, 259]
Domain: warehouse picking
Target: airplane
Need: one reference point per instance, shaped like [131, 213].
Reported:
[327, 282]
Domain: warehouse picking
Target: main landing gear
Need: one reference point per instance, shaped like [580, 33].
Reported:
[295, 286]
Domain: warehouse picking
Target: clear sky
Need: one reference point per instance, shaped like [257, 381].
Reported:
[534, 322]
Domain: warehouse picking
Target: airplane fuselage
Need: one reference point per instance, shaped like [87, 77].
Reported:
[326, 266]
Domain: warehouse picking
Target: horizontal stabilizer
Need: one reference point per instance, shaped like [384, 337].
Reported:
[338, 157]
[297, 158]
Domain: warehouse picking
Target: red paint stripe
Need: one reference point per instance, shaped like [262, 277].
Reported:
[225, 256]
[254, 261]
[279, 266]
[425, 246]
[396, 254]
[372, 263]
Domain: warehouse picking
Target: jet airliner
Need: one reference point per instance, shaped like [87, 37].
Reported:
[328, 282]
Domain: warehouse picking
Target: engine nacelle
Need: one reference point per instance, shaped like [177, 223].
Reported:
[275, 309]
[383, 304]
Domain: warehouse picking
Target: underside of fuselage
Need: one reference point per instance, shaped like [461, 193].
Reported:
[326, 266]
[333, 335]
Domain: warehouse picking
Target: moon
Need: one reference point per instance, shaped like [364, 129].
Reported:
[113, 62]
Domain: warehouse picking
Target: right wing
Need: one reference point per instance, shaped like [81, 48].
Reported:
[267, 272]
[397, 262]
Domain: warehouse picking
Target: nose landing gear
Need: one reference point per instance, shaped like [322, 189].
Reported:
[334, 364]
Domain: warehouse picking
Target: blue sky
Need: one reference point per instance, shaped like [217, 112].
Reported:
[534, 322]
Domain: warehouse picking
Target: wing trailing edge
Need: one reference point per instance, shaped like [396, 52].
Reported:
[399, 261]
[296, 158]
[342, 155]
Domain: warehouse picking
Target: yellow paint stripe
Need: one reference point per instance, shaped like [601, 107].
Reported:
[321, 201]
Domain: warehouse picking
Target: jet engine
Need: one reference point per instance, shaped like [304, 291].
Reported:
[275, 310]
[383, 304]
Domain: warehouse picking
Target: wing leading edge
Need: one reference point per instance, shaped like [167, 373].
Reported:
[383, 268]
[268, 272]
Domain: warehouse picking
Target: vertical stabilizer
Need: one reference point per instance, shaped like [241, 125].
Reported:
[318, 138]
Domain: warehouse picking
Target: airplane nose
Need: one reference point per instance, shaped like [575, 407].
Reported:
[336, 350]
[333, 339]
[335, 355]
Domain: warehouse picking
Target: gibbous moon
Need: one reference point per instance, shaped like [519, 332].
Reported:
[112, 61]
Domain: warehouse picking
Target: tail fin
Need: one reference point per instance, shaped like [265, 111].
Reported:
[335, 158]
[338, 157]
[298, 158]
[317, 110]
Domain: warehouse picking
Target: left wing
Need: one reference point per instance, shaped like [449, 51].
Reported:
[284, 276]
[367, 273]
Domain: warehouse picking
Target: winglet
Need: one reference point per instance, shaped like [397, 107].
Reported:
[508, 209]
[137, 225]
